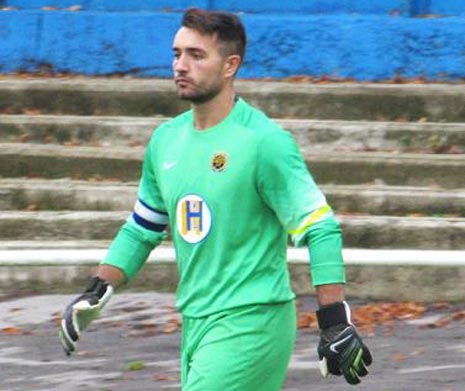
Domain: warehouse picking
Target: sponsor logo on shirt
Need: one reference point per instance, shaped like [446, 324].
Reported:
[193, 218]
[169, 165]
[219, 161]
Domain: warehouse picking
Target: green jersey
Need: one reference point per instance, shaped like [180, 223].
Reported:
[231, 194]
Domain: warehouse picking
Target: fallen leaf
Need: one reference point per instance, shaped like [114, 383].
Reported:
[136, 365]
[307, 320]
[460, 315]
[136, 307]
[172, 325]
[455, 149]
[163, 378]
[31, 111]
[441, 306]
[399, 357]
[11, 331]
[24, 138]
[367, 317]
[86, 353]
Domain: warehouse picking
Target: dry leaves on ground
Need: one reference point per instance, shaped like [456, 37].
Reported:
[11, 330]
[367, 317]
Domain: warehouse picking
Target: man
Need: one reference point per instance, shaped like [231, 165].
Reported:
[232, 185]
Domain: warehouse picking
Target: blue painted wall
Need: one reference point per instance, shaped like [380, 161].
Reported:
[255, 6]
[382, 7]
[110, 5]
[364, 40]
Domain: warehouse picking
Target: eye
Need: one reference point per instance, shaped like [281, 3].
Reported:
[198, 55]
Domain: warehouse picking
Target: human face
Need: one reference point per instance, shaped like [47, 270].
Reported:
[199, 68]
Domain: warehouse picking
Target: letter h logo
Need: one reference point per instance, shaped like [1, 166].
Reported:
[192, 217]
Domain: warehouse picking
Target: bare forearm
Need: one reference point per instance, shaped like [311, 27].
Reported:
[111, 274]
[330, 293]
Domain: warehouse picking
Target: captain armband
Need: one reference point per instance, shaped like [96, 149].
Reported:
[149, 218]
[144, 230]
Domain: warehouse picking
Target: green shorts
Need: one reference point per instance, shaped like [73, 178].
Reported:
[242, 349]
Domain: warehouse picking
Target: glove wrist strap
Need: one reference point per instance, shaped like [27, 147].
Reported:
[96, 291]
[333, 314]
[97, 286]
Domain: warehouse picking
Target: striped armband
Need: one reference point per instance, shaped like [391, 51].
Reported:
[317, 215]
[149, 218]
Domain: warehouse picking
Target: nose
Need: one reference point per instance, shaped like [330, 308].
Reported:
[180, 64]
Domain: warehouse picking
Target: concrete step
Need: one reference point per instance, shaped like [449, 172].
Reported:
[149, 97]
[78, 130]
[373, 274]
[394, 169]
[76, 225]
[310, 134]
[123, 164]
[48, 266]
[51, 161]
[65, 194]
[395, 200]
[359, 231]
[23, 253]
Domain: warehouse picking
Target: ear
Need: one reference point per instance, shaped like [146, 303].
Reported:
[232, 65]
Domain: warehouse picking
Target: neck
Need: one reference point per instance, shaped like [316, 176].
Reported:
[214, 111]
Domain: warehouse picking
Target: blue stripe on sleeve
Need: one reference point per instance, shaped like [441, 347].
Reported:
[147, 224]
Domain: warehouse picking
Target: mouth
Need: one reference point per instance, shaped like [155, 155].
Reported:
[182, 81]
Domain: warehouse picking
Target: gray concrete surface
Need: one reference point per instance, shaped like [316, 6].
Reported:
[391, 274]
[441, 233]
[147, 97]
[344, 168]
[141, 330]
[314, 134]
[66, 194]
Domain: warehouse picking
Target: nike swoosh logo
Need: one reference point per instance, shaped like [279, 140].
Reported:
[333, 346]
[168, 165]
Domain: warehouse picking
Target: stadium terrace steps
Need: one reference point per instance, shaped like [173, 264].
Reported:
[123, 164]
[50, 253]
[149, 97]
[311, 134]
[78, 130]
[396, 200]
[420, 275]
[54, 161]
[65, 194]
[359, 231]
[390, 159]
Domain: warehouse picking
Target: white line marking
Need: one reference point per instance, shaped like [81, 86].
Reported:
[53, 256]
[431, 368]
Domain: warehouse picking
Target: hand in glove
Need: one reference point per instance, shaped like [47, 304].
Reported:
[341, 350]
[83, 310]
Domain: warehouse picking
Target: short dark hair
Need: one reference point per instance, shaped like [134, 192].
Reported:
[226, 26]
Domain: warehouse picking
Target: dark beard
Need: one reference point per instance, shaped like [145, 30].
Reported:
[202, 97]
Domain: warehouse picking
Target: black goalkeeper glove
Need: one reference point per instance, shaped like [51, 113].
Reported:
[83, 310]
[341, 350]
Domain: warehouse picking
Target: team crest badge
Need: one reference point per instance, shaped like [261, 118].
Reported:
[193, 218]
[219, 161]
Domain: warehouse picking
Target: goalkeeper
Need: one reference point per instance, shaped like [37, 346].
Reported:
[232, 185]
